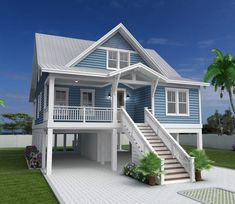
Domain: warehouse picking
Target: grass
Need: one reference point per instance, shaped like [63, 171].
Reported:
[222, 158]
[125, 147]
[20, 185]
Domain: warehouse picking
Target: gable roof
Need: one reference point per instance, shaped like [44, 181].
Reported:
[54, 52]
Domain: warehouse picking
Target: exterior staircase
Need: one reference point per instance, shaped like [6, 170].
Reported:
[151, 136]
[174, 171]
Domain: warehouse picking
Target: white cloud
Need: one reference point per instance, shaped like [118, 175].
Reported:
[163, 41]
[206, 43]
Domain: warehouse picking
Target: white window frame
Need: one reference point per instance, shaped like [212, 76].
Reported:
[177, 90]
[39, 104]
[67, 94]
[118, 58]
[92, 91]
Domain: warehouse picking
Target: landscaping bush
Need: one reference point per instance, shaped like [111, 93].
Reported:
[233, 147]
[33, 157]
[131, 170]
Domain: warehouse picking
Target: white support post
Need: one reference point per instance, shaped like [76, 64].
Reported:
[114, 98]
[49, 151]
[65, 141]
[44, 150]
[51, 99]
[199, 140]
[114, 150]
[102, 149]
[153, 91]
[55, 143]
[178, 137]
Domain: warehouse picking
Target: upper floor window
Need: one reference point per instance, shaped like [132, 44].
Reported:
[177, 102]
[117, 59]
[87, 97]
[61, 96]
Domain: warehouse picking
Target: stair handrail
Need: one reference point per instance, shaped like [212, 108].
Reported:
[137, 130]
[176, 150]
[125, 116]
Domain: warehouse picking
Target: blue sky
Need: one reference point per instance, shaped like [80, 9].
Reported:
[182, 32]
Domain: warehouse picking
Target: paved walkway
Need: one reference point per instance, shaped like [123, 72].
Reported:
[76, 180]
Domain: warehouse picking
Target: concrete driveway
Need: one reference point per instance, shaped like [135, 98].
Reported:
[77, 180]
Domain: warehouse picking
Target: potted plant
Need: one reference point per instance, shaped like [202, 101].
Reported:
[202, 162]
[150, 166]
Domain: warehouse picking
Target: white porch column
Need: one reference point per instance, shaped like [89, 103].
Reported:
[153, 91]
[199, 140]
[178, 137]
[114, 98]
[49, 151]
[51, 99]
[65, 140]
[55, 143]
[44, 150]
[102, 149]
[114, 150]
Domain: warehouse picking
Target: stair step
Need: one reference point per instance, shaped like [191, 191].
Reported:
[164, 152]
[146, 131]
[176, 176]
[152, 137]
[171, 160]
[172, 165]
[163, 148]
[174, 170]
[158, 145]
[167, 156]
[153, 140]
[146, 134]
[144, 128]
[142, 124]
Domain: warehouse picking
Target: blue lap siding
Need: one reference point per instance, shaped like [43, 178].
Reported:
[40, 89]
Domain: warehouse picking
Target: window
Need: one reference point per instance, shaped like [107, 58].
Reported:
[124, 59]
[39, 104]
[87, 97]
[117, 59]
[171, 102]
[112, 59]
[61, 96]
[177, 102]
[182, 102]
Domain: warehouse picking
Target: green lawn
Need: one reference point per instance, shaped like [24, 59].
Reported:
[20, 185]
[222, 158]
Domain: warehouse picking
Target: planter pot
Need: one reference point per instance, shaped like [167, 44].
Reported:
[152, 180]
[198, 176]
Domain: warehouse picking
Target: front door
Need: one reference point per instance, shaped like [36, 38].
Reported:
[121, 98]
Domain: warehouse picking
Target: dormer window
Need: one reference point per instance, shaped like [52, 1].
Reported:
[117, 59]
[112, 59]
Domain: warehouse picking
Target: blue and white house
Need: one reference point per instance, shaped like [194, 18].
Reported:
[99, 90]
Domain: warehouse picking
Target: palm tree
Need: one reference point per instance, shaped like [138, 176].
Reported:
[2, 102]
[221, 74]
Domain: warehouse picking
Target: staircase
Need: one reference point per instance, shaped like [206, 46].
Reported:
[174, 171]
[151, 136]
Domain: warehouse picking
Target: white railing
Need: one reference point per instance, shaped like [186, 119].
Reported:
[82, 114]
[177, 151]
[137, 138]
[45, 114]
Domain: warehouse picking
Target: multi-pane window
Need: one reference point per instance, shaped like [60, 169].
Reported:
[87, 97]
[124, 59]
[112, 59]
[177, 102]
[39, 104]
[117, 59]
[61, 96]
[182, 102]
[171, 102]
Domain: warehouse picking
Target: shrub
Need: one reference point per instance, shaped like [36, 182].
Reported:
[33, 157]
[233, 147]
[131, 170]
